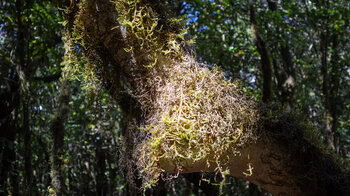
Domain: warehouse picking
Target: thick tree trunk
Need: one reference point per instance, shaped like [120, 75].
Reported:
[279, 172]
[283, 159]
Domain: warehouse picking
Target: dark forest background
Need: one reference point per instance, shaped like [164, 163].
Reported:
[297, 50]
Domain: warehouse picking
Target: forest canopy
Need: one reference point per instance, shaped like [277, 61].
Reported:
[209, 97]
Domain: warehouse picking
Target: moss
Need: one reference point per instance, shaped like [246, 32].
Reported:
[82, 61]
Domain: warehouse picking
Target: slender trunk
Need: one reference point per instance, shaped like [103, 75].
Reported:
[58, 131]
[57, 124]
[9, 104]
[27, 151]
[286, 80]
[265, 60]
[23, 69]
[325, 90]
[8, 172]
[100, 166]
[334, 90]
[289, 82]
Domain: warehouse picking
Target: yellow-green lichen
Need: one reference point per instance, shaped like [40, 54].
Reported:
[190, 113]
[198, 113]
[82, 61]
[147, 37]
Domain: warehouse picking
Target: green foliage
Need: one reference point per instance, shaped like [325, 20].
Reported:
[294, 24]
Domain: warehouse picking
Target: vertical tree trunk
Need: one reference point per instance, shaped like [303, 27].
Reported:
[27, 149]
[61, 114]
[23, 72]
[325, 90]
[334, 90]
[289, 82]
[265, 60]
[8, 172]
[58, 132]
[100, 167]
[286, 80]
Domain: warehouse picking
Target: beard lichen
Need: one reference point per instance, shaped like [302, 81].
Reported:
[197, 115]
[190, 113]
[148, 34]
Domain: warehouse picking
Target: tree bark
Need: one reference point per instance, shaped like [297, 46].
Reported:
[287, 78]
[58, 131]
[283, 160]
[334, 97]
[265, 59]
[8, 151]
[23, 72]
[325, 90]
[100, 167]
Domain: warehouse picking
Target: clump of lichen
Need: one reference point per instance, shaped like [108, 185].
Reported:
[190, 111]
[197, 113]
[147, 35]
[84, 62]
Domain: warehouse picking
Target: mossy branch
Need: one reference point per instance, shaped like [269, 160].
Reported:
[192, 119]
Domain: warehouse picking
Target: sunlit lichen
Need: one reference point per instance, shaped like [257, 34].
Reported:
[190, 111]
[147, 37]
[187, 113]
[197, 113]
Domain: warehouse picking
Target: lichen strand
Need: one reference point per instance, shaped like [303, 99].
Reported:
[147, 35]
[197, 113]
[85, 62]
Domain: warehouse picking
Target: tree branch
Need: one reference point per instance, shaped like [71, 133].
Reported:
[281, 154]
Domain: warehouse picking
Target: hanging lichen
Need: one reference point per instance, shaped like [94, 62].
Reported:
[198, 113]
[83, 61]
[189, 111]
[147, 37]
[186, 113]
